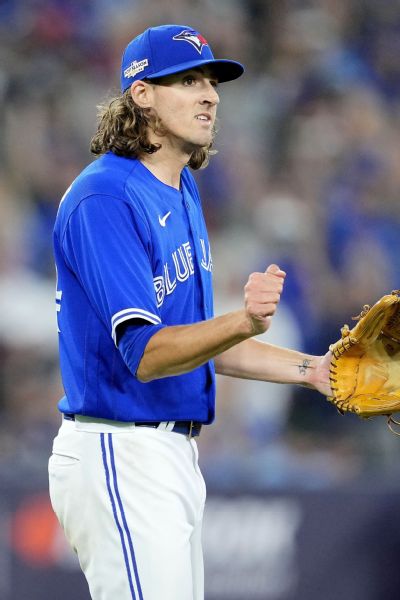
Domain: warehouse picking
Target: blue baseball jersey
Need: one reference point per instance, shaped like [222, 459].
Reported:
[128, 246]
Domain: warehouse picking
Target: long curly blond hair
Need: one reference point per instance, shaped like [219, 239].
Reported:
[123, 128]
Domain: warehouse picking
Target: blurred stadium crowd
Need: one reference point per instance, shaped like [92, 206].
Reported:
[307, 175]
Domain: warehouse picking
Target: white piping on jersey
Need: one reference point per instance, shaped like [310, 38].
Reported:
[132, 313]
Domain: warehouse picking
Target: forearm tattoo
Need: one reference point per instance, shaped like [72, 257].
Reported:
[303, 367]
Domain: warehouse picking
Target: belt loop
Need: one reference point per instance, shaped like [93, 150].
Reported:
[166, 425]
[190, 430]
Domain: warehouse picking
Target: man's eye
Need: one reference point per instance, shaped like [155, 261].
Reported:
[189, 80]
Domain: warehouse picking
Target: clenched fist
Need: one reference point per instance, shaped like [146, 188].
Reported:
[262, 294]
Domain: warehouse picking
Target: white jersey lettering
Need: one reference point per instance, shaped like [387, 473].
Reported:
[189, 258]
[183, 268]
[206, 261]
[159, 288]
[169, 285]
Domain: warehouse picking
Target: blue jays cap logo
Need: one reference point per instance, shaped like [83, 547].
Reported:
[194, 38]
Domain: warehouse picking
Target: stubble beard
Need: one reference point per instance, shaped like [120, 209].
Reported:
[182, 145]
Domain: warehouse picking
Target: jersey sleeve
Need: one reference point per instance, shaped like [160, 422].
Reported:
[133, 342]
[107, 246]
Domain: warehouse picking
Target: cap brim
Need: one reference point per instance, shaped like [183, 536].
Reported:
[225, 70]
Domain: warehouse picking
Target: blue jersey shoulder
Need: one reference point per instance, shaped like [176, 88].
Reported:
[105, 176]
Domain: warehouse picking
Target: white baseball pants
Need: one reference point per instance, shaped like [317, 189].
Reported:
[130, 500]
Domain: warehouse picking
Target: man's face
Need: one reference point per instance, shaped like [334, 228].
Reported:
[187, 103]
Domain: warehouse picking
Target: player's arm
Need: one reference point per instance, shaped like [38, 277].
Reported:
[253, 359]
[179, 349]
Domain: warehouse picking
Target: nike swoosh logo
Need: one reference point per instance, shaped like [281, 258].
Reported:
[163, 220]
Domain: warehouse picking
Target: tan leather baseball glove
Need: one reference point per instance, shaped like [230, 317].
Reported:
[365, 366]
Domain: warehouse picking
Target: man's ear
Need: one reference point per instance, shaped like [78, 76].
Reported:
[142, 93]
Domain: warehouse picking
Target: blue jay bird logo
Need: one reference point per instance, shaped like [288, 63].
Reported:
[194, 38]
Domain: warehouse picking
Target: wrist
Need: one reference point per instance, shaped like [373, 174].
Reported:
[307, 371]
[246, 328]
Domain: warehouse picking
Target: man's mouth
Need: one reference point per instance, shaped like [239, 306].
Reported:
[205, 118]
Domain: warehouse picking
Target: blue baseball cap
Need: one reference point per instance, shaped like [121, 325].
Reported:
[167, 49]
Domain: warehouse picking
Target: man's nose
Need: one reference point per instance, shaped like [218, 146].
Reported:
[211, 95]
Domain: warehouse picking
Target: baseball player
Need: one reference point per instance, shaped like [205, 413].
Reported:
[139, 346]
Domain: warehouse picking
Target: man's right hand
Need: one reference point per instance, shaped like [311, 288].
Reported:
[262, 294]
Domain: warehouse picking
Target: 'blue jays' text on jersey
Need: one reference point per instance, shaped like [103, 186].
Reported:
[128, 246]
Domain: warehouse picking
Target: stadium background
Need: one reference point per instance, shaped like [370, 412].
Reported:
[303, 503]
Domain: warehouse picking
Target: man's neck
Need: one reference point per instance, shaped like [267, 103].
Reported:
[163, 170]
[167, 163]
